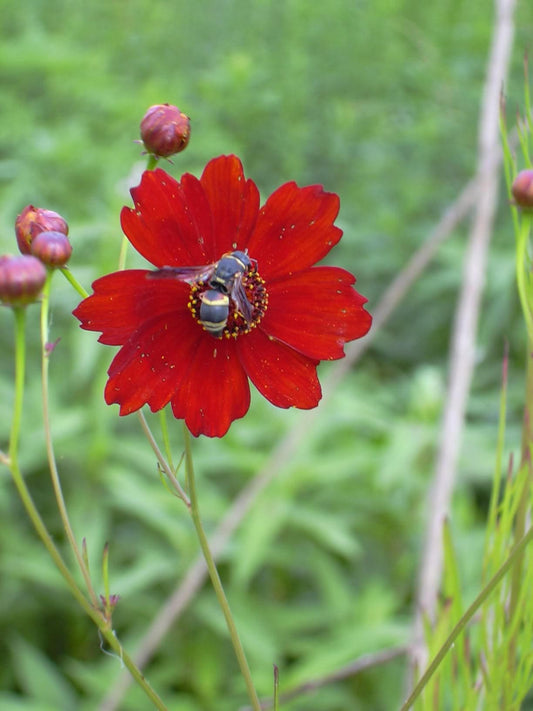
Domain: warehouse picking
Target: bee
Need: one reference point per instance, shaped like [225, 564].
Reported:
[224, 279]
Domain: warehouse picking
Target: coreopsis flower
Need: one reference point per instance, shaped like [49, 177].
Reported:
[34, 220]
[522, 189]
[22, 278]
[52, 248]
[165, 130]
[235, 296]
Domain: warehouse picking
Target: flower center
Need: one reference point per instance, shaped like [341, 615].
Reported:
[233, 300]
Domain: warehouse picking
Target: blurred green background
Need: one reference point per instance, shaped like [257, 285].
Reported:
[379, 102]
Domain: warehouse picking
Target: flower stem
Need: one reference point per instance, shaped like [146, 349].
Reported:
[165, 466]
[13, 463]
[213, 573]
[523, 272]
[151, 163]
[25, 496]
[74, 282]
[515, 554]
[52, 464]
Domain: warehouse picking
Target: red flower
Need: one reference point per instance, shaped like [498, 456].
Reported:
[295, 314]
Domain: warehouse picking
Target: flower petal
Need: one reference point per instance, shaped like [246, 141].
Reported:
[171, 223]
[153, 363]
[316, 312]
[283, 376]
[233, 201]
[215, 389]
[124, 301]
[294, 230]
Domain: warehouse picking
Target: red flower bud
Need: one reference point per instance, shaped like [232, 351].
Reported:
[165, 130]
[52, 248]
[34, 220]
[522, 189]
[21, 279]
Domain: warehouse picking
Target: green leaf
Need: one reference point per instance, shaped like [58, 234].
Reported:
[40, 679]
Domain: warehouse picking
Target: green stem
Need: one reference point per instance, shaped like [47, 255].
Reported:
[151, 163]
[213, 574]
[524, 290]
[25, 496]
[52, 464]
[523, 271]
[31, 509]
[75, 283]
[123, 253]
[162, 461]
[514, 555]
[166, 439]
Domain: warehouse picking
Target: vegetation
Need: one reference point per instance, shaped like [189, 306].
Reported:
[379, 102]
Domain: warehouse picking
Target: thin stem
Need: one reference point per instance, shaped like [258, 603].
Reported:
[20, 365]
[95, 614]
[123, 253]
[151, 163]
[515, 553]
[276, 688]
[162, 461]
[522, 271]
[52, 464]
[166, 440]
[213, 574]
[20, 368]
[75, 283]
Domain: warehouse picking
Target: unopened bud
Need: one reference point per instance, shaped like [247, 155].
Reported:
[34, 220]
[52, 248]
[22, 278]
[165, 130]
[522, 189]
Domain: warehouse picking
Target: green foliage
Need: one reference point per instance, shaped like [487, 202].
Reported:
[377, 101]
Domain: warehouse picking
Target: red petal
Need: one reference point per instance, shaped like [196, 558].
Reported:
[153, 363]
[122, 302]
[233, 201]
[171, 224]
[294, 230]
[215, 390]
[283, 376]
[316, 312]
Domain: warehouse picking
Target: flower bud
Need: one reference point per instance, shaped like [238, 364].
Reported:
[21, 279]
[165, 130]
[52, 248]
[34, 220]
[522, 189]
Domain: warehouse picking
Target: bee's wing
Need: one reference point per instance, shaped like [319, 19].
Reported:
[190, 275]
[238, 294]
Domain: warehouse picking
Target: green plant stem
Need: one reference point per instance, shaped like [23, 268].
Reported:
[74, 282]
[151, 162]
[20, 359]
[515, 553]
[162, 461]
[52, 464]
[523, 271]
[523, 267]
[166, 440]
[213, 573]
[25, 496]
[123, 253]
